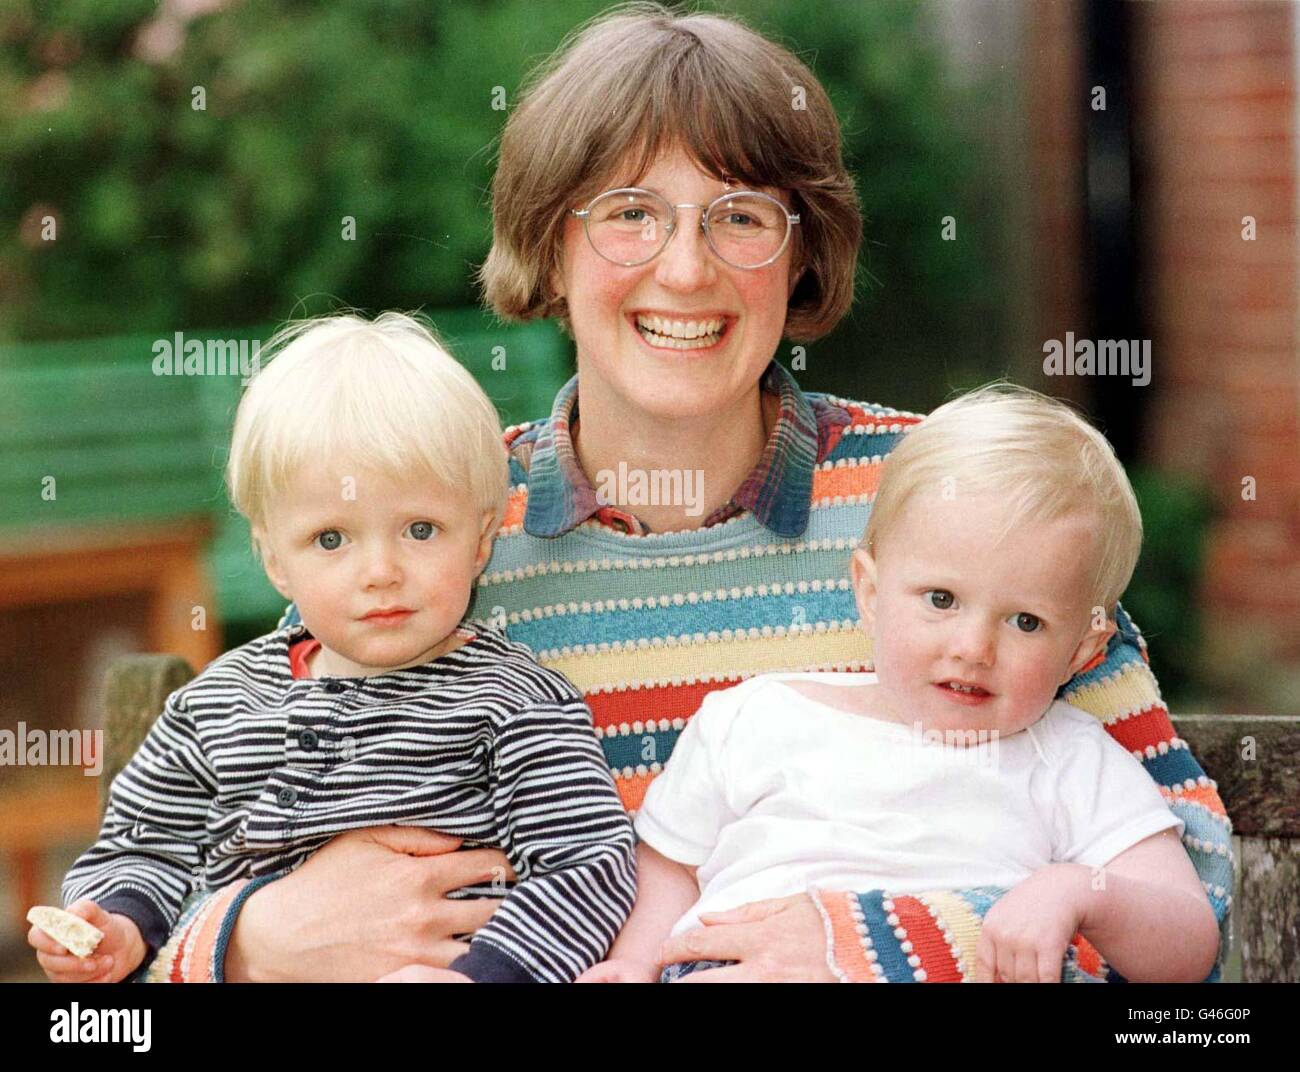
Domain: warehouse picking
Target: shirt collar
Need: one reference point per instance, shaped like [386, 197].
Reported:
[777, 491]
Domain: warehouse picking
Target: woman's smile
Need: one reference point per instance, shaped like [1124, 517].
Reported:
[681, 334]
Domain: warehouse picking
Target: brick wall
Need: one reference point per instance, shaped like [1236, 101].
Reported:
[1053, 74]
[1217, 130]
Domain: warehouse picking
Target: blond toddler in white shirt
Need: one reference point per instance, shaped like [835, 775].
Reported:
[952, 765]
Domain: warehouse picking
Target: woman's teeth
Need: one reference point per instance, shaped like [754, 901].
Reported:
[680, 334]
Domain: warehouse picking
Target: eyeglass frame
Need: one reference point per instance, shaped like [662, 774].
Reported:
[584, 214]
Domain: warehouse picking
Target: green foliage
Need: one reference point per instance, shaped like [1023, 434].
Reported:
[929, 313]
[1162, 597]
[172, 218]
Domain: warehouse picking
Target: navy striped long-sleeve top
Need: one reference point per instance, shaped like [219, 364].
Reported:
[249, 770]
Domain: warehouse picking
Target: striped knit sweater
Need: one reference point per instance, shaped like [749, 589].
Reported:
[645, 625]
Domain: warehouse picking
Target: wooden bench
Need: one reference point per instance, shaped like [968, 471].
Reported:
[34, 817]
[161, 562]
[1254, 759]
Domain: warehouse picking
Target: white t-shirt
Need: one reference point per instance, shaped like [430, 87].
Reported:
[770, 793]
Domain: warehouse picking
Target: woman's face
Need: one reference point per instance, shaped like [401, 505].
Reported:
[618, 365]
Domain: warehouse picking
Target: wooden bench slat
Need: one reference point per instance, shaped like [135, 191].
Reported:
[1255, 761]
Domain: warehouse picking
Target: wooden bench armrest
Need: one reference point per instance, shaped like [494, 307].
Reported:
[137, 690]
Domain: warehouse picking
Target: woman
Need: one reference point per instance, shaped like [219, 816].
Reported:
[692, 524]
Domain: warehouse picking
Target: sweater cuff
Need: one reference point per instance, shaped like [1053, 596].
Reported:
[188, 955]
[487, 964]
[143, 913]
[228, 920]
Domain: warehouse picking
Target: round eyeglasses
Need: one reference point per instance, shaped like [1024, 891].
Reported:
[630, 226]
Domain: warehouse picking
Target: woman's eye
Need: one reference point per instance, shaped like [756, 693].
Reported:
[422, 530]
[939, 599]
[329, 540]
[1027, 623]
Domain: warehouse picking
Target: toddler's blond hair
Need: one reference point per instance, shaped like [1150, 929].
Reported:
[1038, 454]
[381, 394]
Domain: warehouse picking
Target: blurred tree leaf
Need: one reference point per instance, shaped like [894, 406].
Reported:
[172, 218]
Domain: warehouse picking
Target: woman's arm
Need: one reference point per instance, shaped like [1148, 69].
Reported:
[368, 903]
[371, 901]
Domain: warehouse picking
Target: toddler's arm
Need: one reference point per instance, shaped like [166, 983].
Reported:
[1144, 912]
[1151, 921]
[568, 837]
[153, 840]
[665, 890]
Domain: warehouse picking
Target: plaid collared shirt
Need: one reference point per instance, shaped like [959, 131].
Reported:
[778, 490]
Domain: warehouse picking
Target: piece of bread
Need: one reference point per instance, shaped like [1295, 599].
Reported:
[72, 932]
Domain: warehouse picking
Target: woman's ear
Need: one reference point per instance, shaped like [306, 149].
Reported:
[794, 282]
[862, 575]
[555, 276]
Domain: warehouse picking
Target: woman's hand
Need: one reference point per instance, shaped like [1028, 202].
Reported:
[777, 941]
[1025, 935]
[118, 954]
[365, 905]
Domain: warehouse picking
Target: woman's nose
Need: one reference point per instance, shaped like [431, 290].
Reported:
[686, 263]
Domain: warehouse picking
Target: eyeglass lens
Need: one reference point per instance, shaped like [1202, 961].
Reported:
[630, 227]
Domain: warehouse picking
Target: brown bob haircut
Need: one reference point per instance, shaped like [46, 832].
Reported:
[635, 82]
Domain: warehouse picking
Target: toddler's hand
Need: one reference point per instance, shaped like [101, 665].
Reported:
[118, 954]
[621, 970]
[1026, 934]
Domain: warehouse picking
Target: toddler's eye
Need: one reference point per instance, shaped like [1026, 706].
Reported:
[1027, 623]
[329, 540]
[422, 530]
[939, 599]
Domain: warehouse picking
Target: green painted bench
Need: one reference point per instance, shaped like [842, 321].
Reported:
[89, 433]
